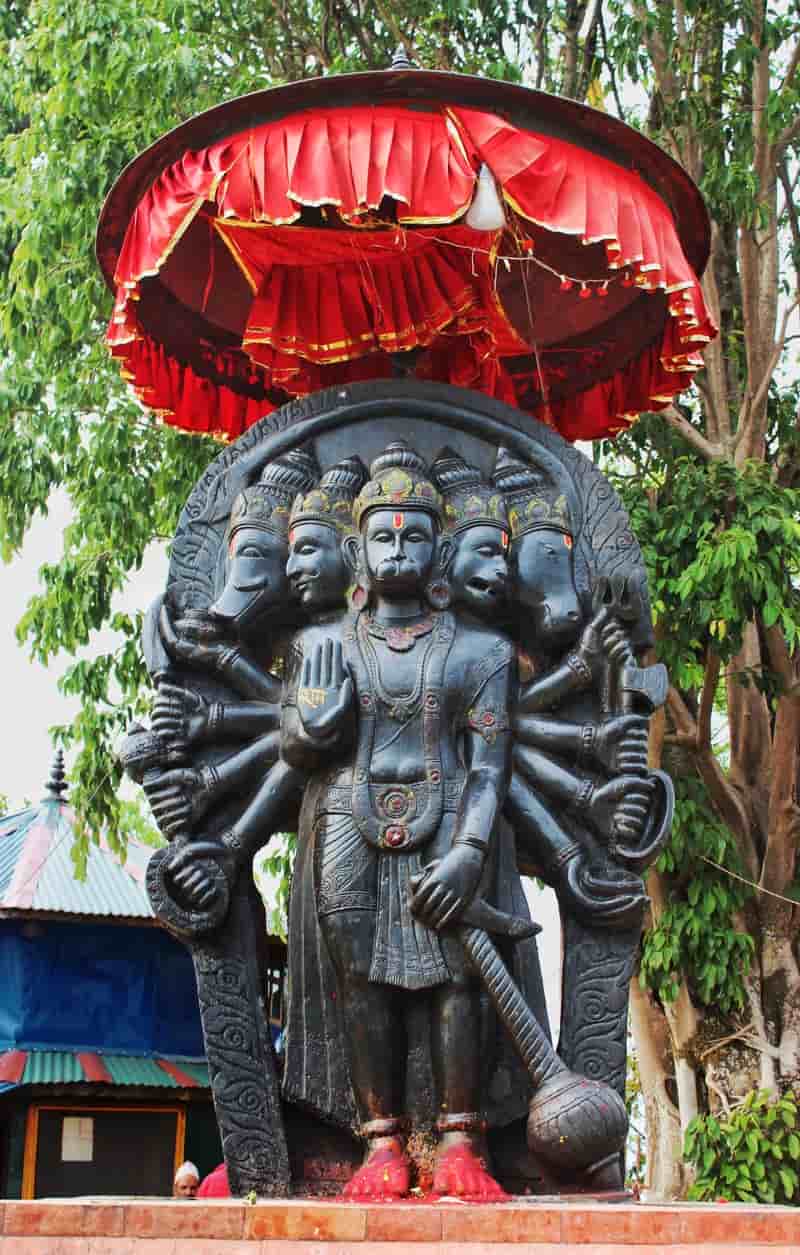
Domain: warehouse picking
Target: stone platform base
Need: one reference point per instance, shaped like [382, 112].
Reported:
[300, 1227]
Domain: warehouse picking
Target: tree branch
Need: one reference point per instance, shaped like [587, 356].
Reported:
[787, 135]
[783, 830]
[680, 25]
[784, 664]
[704, 713]
[691, 435]
[724, 798]
[790, 206]
[753, 400]
[609, 64]
[719, 404]
[791, 70]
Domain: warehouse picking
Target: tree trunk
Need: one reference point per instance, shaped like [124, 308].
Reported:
[666, 1175]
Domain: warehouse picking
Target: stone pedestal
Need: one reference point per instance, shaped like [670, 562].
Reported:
[301, 1227]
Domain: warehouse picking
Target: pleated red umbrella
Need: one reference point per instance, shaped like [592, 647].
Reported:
[457, 229]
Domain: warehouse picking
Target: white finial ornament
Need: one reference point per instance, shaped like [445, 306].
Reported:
[486, 212]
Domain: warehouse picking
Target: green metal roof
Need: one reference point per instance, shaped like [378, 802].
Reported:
[63, 1067]
[130, 1070]
[52, 1067]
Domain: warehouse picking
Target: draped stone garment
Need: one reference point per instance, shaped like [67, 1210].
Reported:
[317, 1075]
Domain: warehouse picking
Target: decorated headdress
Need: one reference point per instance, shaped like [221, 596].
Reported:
[468, 500]
[331, 501]
[398, 481]
[533, 501]
[267, 504]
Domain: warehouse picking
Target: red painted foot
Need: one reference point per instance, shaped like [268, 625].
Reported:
[384, 1175]
[460, 1172]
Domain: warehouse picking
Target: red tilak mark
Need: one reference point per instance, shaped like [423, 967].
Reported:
[397, 521]
[505, 540]
[568, 541]
[291, 537]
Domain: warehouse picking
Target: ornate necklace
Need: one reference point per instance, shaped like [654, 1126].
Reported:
[399, 706]
[399, 639]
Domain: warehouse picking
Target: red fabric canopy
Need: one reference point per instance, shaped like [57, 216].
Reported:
[582, 310]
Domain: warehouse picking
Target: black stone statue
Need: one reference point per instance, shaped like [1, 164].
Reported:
[430, 670]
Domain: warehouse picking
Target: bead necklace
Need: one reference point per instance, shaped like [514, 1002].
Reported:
[400, 706]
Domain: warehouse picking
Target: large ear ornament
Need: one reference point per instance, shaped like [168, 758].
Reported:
[438, 593]
[358, 592]
[357, 596]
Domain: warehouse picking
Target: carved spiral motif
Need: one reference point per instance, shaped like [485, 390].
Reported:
[235, 1037]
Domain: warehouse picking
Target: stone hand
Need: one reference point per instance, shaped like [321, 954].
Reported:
[603, 640]
[180, 716]
[598, 900]
[191, 875]
[616, 643]
[447, 887]
[631, 814]
[325, 692]
[591, 649]
[621, 744]
[197, 641]
[620, 808]
[179, 798]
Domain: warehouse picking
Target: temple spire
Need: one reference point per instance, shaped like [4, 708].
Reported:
[400, 59]
[56, 786]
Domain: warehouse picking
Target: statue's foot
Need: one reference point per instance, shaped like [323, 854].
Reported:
[460, 1171]
[385, 1173]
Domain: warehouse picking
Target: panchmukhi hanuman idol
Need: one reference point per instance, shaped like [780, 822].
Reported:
[409, 629]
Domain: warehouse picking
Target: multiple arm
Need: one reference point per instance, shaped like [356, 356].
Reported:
[317, 718]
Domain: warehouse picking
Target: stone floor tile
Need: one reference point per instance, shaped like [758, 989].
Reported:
[184, 1220]
[528, 1223]
[409, 1222]
[300, 1220]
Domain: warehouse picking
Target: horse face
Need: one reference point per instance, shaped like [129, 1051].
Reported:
[256, 577]
[544, 589]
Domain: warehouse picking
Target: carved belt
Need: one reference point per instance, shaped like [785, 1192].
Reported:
[398, 817]
[390, 802]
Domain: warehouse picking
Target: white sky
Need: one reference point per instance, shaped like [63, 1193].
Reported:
[33, 703]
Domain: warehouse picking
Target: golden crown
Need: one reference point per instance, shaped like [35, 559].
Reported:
[399, 479]
[533, 502]
[267, 504]
[468, 500]
[331, 502]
